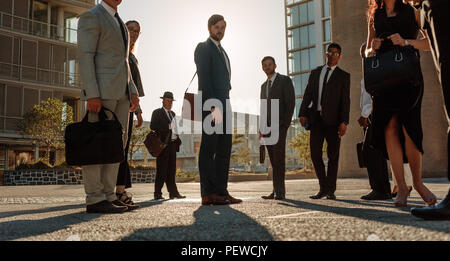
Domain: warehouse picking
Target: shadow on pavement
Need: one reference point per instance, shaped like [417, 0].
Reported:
[218, 223]
[19, 229]
[40, 211]
[393, 218]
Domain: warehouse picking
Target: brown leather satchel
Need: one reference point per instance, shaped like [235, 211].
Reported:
[189, 102]
[154, 144]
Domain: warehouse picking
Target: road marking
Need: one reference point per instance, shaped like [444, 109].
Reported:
[294, 214]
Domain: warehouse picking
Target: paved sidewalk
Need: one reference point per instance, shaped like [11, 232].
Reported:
[58, 213]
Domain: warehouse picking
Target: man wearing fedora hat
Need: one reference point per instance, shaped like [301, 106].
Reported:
[164, 124]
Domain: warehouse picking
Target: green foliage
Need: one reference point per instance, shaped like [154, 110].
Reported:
[185, 174]
[40, 165]
[240, 153]
[47, 122]
[301, 145]
[137, 139]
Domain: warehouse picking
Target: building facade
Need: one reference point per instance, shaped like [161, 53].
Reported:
[310, 26]
[37, 61]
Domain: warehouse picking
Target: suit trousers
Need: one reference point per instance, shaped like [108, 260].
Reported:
[124, 176]
[376, 168]
[319, 133]
[277, 155]
[166, 167]
[100, 180]
[214, 161]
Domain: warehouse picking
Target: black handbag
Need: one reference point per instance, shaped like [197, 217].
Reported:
[94, 143]
[386, 73]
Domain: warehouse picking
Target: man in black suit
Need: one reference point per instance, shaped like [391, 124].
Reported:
[326, 106]
[164, 124]
[214, 73]
[277, 87]
[436, 23]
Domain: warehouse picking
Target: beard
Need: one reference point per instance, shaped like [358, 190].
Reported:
[217, 37]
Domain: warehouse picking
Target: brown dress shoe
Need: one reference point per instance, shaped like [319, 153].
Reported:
[105, 207]
[206, 200]
[233, 200]
[219, 200]
[270, 196]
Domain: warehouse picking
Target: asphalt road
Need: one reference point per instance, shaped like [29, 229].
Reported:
[57, 213]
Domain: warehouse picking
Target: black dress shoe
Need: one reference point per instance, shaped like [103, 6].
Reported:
[280, 197]
[440, 211]
[158, 197]
[377, 196]
[105, 207]
[177, 196]
[331, 196]
[271, 196]
[123, 204]
[319, 195]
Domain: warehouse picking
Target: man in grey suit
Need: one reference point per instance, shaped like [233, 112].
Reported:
[213, 68]
[103, 49]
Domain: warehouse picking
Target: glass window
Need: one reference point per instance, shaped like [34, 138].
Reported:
[298, 85]
[326, 8]
[44, 62]
[46, 95]
[311, 11]
[296, 62]
[2, 99]
[326, 31]
[296, 38]
[72, 63]
[303, 13]
[312, 35]
[305, 78]
[6, 44]
[58, 64]
[14, 104]
[29, 57]
[312, 58]
[304, 37]
[295, 16]
[304, 54]
[71, 28]
[6, 7]
[30, 98]
[40, 15]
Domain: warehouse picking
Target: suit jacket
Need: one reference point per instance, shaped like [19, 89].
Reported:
[213, 75]
[103, 56]
[160, 124]
[136, 76]
[283, 90]
[335, 97]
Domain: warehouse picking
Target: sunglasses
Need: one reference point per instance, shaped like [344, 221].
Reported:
[333, 54]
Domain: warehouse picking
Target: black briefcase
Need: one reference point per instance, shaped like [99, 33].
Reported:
[94, 143]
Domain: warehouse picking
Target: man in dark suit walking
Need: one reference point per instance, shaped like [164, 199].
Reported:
[164, 124]
[214, 72]
[326, 106]
[277, 87]
[436, 23]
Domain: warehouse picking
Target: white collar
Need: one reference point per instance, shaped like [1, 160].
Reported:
[272, 80]
[109, 9]
[332, 67]
[166, 110]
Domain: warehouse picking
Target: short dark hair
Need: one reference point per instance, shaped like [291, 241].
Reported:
[133, 22]
[334, 45]
[268, 58]
[214, 19]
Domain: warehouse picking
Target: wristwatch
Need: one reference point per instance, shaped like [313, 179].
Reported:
[406, 42]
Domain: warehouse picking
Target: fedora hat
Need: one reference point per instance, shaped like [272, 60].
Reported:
[168, 95]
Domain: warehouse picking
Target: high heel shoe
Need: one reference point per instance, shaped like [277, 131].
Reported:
[430, 199]
[394, 194]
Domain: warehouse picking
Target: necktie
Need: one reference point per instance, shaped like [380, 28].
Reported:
[325, 80]
[122, 29]
[269, 84]
[222, 51]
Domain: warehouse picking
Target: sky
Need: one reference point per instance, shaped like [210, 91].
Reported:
[171, 30]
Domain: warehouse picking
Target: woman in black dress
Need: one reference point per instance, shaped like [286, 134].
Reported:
[398, 133]
[124, 175]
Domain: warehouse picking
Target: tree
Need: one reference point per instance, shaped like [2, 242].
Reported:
[240, 154]
[137, 140]
[47, 122]
[300, 143]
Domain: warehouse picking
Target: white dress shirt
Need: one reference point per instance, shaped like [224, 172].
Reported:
[172, 124]
[321, 79]
[365, 102]
[227, 62]
[110, 11]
